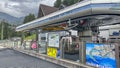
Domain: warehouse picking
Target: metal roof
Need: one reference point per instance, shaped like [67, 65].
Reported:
[85, 8]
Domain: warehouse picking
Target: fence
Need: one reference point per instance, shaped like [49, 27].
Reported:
[81, 55]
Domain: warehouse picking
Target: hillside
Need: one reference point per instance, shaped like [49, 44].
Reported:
[10, 19]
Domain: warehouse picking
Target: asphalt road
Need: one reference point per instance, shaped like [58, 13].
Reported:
[13, 59]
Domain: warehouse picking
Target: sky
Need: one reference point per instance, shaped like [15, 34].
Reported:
[20, 8]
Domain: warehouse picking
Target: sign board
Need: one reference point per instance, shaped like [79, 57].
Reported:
[100, 55]
[53, 52]
[53, 40]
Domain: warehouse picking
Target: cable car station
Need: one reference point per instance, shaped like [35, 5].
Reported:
[56, 38]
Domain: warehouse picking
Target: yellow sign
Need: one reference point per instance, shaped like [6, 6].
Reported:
[51, 52]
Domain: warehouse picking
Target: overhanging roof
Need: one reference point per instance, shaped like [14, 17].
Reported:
[85, 8]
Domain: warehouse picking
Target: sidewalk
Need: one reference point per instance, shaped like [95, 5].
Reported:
[59, 62]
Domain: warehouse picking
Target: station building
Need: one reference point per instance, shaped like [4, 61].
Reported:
[85, 17]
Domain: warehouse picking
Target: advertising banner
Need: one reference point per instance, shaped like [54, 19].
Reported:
[53, 52]
[53, 40]
[100, 55]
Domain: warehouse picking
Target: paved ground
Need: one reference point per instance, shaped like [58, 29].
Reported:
[14, 59]
[73, 57]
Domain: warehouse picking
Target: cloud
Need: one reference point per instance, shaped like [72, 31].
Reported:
[19, 0]
[19, 8]
[48, 2]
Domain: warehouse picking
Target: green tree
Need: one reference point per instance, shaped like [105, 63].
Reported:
[65, 2]
[7, 30]
[70, 2]
[29, 18]
[57, 3]
[2, 29]
[75, 1]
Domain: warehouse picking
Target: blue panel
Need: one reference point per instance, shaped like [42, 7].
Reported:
[100, 55]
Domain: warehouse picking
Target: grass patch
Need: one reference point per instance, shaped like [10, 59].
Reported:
[33, 36]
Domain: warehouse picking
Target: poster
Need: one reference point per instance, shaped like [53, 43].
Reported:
[100, 55]
[53, 52]
[53, 40]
